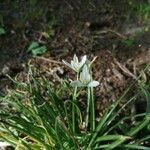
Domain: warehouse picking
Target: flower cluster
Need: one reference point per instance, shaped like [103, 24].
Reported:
[75, 64]
[82, 68]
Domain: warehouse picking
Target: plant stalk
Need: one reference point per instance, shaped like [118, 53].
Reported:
[74, 111]
[90, 111]
[92, 115]
[74, 108]
[87, 109]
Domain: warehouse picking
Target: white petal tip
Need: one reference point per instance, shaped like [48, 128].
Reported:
[93, 84]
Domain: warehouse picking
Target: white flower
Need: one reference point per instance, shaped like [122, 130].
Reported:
[85, 79]
[75, 64]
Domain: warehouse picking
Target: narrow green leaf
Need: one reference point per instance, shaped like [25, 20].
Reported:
[131, 133]
[134, 146]
[147, 95]
[111, 138]
[100, 126]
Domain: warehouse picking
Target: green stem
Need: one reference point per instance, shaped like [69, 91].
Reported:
[92, 116]
[90, 112]
[99, 127]
[87, 109]
[73, 108]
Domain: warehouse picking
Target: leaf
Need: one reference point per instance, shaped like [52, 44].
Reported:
[45, 34]
[2, 31]
[148, 127]
[32, 46]
[36, 49]
[129, 42]
[147, 96]
[135, 146]
[39, 50]
[111, 138]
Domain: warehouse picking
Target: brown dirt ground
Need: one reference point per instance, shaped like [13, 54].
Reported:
[95, 29]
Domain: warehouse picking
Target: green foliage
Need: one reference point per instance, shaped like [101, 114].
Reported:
[140, 10]
[144, 11]
[38, 115]
[2, 31]
[129, 42]
[36, 49]
[145, 90]
[33, 2]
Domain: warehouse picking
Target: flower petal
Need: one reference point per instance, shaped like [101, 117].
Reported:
[85, 76]
[76, 83]
[66, 63]
[93, 84]
[76, 67]
[83, 60]
[75, 59]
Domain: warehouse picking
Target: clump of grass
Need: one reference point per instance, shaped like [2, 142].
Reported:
[139, 10]
[38, 117]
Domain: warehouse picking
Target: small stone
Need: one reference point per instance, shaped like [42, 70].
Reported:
[5, 70]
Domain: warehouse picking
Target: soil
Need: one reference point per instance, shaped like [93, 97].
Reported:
[96, 28]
